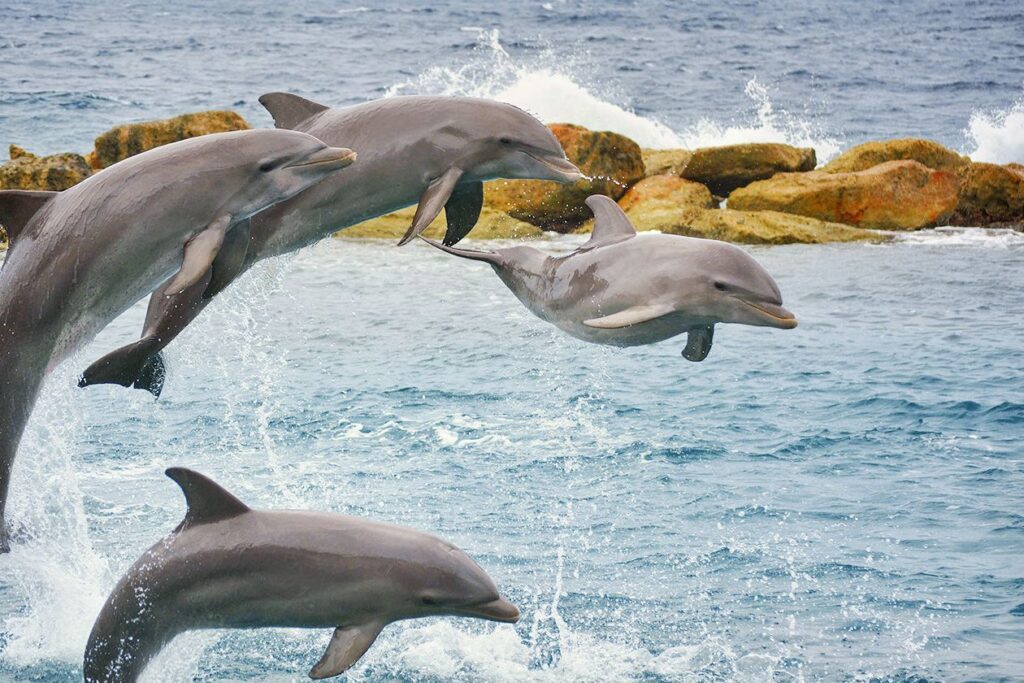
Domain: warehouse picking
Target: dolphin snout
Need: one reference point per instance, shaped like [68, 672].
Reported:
[498, 609]
[564, 170]
[773, 315]
[332, 158]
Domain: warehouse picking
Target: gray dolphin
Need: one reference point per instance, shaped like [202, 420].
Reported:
[436, 151]
[176, 215]
[227, 566]
[625, 289]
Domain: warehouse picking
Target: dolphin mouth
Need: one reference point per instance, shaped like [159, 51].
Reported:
[774, 315]
[564, 169]
[499, 609]
[329, 157]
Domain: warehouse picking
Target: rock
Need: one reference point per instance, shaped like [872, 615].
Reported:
[132, 138]
[990, 194]
[863, 157]
[770, 227]
[724, 169]
[493, 224]
[666, 195]
[614, 162]
[26, 171]
[666, 161]
[896, 195]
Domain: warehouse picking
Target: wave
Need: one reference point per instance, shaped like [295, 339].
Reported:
[998, 137]
[550, 88]
[992, 238]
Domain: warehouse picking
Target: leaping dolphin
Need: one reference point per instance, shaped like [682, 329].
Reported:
[176, 215]
[625, 289]
[436, 151]
[227, 566]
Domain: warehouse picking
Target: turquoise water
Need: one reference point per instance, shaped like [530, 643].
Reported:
[841, 501]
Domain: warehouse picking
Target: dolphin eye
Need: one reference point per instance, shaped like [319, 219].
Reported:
[505, 141]
[721, 286]
[270, 164]
[428, 600]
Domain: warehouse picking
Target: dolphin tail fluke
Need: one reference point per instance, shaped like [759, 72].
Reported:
[139, 365]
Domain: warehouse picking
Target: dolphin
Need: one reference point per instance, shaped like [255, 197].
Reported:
[625, 289]
[174, 219]
[436, 151]
[228, 566]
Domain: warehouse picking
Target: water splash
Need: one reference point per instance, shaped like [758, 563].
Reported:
[551, 87]
[998, 137]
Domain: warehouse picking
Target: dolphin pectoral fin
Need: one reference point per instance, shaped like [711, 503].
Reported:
[463, 211]
[347, 645]
[230, 259]
[199, 254]
[698, 343]
[138, 365]
[433, 200]
[631, 316]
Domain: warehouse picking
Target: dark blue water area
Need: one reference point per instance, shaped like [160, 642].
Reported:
[837, 502]
[849, 70]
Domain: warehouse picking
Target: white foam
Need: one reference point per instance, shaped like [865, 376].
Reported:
[550, 88]
[998, 137]
[991, 238]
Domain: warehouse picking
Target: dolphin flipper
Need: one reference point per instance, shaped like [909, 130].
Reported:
[462, 211]
[347, 645]
[631, 316]
[433, 200]
[698, 343]
[141, 365]
[200, 251]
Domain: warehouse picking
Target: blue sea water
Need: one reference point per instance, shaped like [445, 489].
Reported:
[838, 502]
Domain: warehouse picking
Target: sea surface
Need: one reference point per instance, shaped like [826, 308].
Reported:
[839, 502]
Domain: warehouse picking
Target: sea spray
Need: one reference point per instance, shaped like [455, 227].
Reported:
[998, 137]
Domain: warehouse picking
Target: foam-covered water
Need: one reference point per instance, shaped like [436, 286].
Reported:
[837, 502]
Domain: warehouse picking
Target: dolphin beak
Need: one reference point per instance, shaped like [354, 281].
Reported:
[329, 158]
[773, 315]
[495, 610]
[564, 170]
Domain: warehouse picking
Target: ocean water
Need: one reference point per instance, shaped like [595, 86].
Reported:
[838, 502]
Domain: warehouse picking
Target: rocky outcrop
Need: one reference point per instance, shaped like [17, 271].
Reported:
[26, 171]
[666, 161]
[132, 138]
[724, 169]
[990, 195]
[863, 157]
[896, 195]
[611, 161]
[493, 224]
[666, 193]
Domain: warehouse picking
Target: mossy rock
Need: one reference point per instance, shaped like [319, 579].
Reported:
[896, 195]
[26, 171]
[133, 138]
[990, 194]
[666, 161]
[869, 154]
[724, 169]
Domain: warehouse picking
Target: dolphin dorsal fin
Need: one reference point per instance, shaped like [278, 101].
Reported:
[610, 223]
[17, 208]
[290, 110]
[207, 500]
